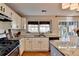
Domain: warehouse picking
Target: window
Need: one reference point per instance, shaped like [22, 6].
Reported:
[33, 26]
[67, 29]
[44, 27]
[39, 26]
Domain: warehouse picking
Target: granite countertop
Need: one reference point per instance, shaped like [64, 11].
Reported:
[24, 36]
[66, 51]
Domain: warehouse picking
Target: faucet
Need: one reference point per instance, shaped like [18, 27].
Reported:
[42, 34]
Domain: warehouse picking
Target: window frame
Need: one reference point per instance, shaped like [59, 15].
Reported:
[50, 25]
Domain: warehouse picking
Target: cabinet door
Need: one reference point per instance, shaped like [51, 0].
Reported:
[8, 11]
[36, 44]
[44, 44]
[28, 44]
[0, 7]
[22, 41]
[16, 21]
[24, 23]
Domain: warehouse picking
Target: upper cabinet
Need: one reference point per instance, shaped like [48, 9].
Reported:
[24, 23]
[8, 11]
[16, 19]
[2, 8]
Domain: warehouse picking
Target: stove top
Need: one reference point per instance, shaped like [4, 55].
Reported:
[7, 45]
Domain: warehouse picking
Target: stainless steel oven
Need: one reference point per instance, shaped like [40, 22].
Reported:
[8, 47]
[14, 52]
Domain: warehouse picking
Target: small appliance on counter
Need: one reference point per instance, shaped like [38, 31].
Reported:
[77, 31]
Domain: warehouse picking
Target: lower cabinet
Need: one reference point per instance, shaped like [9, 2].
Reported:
[21, 46]
[54, 51]
[44, 44]
[28, 44]
[36, 44]
[33, 44]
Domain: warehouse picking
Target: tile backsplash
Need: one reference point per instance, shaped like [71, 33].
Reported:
[1, 30]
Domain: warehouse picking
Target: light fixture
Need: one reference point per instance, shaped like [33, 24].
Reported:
[70, 6]
[78, 9]
[65, 5]
[73, 6]
[43, 11]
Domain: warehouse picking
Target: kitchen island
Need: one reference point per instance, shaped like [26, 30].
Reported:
[57, 50]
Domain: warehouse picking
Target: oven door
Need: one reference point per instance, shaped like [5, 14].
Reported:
[14, 52]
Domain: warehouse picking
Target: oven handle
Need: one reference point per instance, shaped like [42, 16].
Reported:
[12, 50]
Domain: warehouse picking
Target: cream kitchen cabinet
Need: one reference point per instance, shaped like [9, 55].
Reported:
[16, 21]
[44, 42]
[2, 8]
[28, 44]
[40, 44]
[24, 23]
[22, 45]
[37, 44]
[8, 11]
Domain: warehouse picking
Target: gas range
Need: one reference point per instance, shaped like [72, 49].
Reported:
[6, 46]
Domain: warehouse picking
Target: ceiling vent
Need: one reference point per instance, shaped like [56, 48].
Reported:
[43, 11]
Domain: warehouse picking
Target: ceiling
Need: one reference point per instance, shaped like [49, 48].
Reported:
[54, 9]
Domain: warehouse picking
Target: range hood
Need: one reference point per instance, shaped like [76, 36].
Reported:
[5, 18]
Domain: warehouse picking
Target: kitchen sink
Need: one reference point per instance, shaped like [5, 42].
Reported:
[39, 36]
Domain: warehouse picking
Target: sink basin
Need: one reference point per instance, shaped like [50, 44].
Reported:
[39, 36]
[36, 36]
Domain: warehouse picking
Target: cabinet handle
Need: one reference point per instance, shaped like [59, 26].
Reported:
[0, 8]
[30, 41]
[11, 13]
[3, 9]
[39, 41]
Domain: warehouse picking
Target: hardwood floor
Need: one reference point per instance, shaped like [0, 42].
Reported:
[36, 54]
